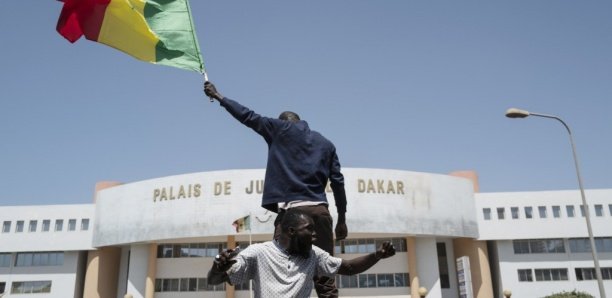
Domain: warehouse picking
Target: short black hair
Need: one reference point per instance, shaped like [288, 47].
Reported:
[291, 218]
[289, 116]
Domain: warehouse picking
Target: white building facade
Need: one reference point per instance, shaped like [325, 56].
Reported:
[538, 241]
[158, 237]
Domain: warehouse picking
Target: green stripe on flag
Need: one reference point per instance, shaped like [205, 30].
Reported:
[171, 21]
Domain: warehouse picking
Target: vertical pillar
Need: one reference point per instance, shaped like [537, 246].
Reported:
[476, 251]
[102, 264]
[101, 273]
[151, 271]
[479, 264]
[229, 290]
[429, 273]
[412, 266]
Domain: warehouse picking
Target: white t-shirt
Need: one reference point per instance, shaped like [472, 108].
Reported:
[275, 273]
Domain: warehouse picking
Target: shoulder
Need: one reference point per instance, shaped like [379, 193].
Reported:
[319, 252]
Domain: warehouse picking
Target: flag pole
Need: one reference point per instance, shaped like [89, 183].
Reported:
[197, 45]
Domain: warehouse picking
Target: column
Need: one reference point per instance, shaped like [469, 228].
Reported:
[479, 264]
[101, 273]
[412, 266]
[429, 273]
[138, 270]
[102, 264]
[151, 271]
[476, 251]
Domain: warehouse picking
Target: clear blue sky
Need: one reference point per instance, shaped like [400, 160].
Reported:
[411, 85]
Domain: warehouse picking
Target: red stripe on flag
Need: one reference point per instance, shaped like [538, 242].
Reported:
[82, 17]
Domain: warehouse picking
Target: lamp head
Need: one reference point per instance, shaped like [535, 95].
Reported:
[516, 113]
[423, 291]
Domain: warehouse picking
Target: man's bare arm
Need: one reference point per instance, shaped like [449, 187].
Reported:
[363, 263]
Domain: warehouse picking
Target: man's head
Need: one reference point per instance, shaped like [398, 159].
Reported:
[298, 230]
[289, 116]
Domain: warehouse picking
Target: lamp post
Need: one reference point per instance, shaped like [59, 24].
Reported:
[517, 113]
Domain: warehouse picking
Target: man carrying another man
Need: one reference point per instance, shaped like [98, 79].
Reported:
[300, 163]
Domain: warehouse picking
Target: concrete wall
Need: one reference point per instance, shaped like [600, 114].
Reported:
[196, 205]
[46, 241]
[524, 228]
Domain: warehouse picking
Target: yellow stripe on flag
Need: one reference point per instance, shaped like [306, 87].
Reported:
[125, 28]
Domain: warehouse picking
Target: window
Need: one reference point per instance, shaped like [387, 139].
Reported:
[212, 249]
[28, 287]
[501, 213]
[551, 274]
[385, 280]
[599, 210]
[402, 280]
[521, 246]
[380, 280]
[582, 245]
[6, 227]
[585, 274]
[556, 211]
[33, 225]
[28, 259]
[188, 284]
[367, 280]
[46, 225]
[610, 207]
[2, 287]
[71, 224]
[525, 275]
[59, 225]
[366, 246]
[19, 226]
[190, 250]
[528, 212]
[350, 246]
[355, 246]
[542, 211]
[515, 212]
[606, 273]
[538, 246]
[84, 224]
[5, 260]
[348, 281]
[170, 285]
[582, 211]
[486, 212]
[570, 211]
[197, 250]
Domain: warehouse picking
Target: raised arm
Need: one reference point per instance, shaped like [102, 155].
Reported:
[363, 263]
[223, 262]
[262, 125]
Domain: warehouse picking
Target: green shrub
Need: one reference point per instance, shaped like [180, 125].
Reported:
[572, 294]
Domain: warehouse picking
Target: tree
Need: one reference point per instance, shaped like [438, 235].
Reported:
[572, 294]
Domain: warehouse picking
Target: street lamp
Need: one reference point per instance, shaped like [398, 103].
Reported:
[517, 113]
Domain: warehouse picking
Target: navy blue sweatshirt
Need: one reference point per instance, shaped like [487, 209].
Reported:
[300, 161]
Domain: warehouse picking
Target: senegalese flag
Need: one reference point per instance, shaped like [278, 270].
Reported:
[242, 224]
[156, 31]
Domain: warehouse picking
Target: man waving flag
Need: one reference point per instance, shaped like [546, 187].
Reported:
[156, 31]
